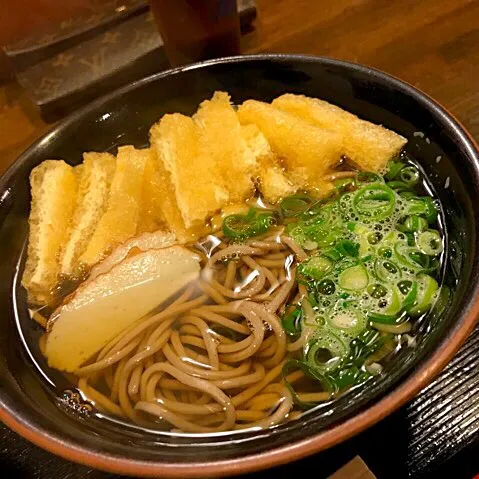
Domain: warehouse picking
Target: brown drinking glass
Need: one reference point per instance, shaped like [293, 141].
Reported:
[195, 30]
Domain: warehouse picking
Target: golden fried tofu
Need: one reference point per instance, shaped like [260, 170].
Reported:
[305, 150]
[94, 180]
[169, 207]
[321, 188]
[272, 181]
[274, 184]
[152, 217]
[258, 146]
[221, 141]
[193, 173]
[121, 218]
[53, 188]
[368, 145]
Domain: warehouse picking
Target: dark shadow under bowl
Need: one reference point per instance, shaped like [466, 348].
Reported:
[29, 405]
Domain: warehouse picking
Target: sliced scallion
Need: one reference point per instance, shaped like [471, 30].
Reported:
[316, 267]
[422, 206]
[291, 320]
[394, 168]
[354, 278]
[374, 202]
[387, 270]
[410, 256]
[430, 242]
[255, 222]
[348, 320]
[410, 175]
[296, 205]
[411, 296]
[326, 351]
[413, 224]
[426, 295]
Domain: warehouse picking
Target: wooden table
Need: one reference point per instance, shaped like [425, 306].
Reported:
[433, 44]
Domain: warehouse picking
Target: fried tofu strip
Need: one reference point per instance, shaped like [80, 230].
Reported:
[53, 188]
[305, 150]
[121, 218]
[169, 208]
[272, 181]
[221, 141]
[368, 145]
[152, 217]
[94, 180]
[177, 142]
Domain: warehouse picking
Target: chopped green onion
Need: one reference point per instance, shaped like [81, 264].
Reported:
[430, 242]
[407, 194]
[374, 202]
[384, 318]
[347, 248]
[410, 175]
[410, 256]
[411, 239]
[316, 267]
[297, 233]
[354, 278]
[318, 214]
[326, 351]
[399, 328]
[394, 305]
[386, 270]
[413, 224]
[423, 206]
[410, 298]
[332, 253]
[348, 321]
[236, 226]
[296, 205]
[255, 222]
[366, 277]
[394, 168]
[291, 320]
[399, 187]
[426, 294]
[351, 376]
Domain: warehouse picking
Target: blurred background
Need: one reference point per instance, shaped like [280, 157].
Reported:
[57, 55]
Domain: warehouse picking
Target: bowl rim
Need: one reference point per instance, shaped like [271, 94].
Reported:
[324, 439]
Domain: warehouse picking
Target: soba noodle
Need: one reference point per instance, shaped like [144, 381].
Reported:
[212, 359]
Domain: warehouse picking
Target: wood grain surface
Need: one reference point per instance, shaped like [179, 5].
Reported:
[432, 44]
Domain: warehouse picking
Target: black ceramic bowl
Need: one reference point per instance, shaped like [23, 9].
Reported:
[446, 152]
